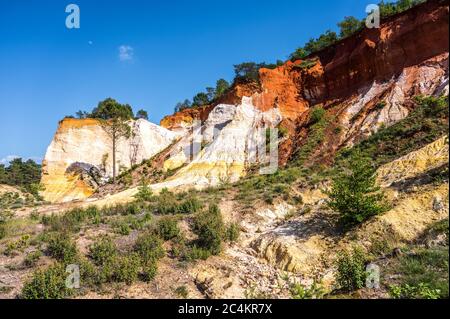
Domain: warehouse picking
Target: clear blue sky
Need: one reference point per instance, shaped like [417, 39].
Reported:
[179, 47]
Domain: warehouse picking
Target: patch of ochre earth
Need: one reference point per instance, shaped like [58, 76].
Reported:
[8, 189]
[431, 156]
[408, 219]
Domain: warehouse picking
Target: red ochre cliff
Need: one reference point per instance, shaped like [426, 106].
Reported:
[406, 56]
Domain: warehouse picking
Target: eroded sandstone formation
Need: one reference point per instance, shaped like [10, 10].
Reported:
[364, 82]
[80, 156]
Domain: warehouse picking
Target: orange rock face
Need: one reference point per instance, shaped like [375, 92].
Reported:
[280, 89]
[372, 55]
[185, 118]
[406, 56]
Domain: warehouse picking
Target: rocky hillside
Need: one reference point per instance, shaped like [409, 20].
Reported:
[209, 223]
[363, 82]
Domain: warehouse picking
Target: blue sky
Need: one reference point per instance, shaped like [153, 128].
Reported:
[170, 51]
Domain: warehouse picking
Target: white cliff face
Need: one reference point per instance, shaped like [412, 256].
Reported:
[428, 78]
[231, 134]
[84, 145]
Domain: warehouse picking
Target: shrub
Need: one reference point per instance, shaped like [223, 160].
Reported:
[122, 209]
[189, 206]
[209, 228]
[19, 244]
[298, 291]
[421, 291]
[317, 114]
[93, 214]
[196, 252]
[149, 247]
[326, 39]
[182, 292]
[351, 272]
[307, 64]
[144, 193]
[355, 194]
[72, 220]
[168, 204]
[149, 271]
[32, 258]
[123, 228]
[299, 54]
[103, 251]
[126, 268]
[47, 284]
[232, 232]
[2, 230]
[62, 248]
[168, 228]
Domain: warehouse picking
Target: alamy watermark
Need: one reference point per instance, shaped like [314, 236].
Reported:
[373, 276]
[73, 19]
[373, 16]
[73, 279]
[259, 146]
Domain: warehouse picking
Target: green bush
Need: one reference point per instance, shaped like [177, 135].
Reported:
[2, 230]
[72, 220]
[355, 195]
[189, 206]
[103, 251]
[32, 258]
[421, 291]
[298, 291]
[123, 228]
[168, 228]
[144, 194]
[126, 268]
[17, 245]
[317, 114]
[351, 269]
[62, 248]
[232, 232]
[307, 64]
[350, 26]
[47, 284]
[210, 229]
[149, 247]
[168, 204]
[195, 253]
[149, 271]
[182, 292]
[122, 209]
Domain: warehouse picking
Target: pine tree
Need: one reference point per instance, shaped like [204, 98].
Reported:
[354, 194]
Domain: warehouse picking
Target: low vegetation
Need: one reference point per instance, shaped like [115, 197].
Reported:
[354, 193]
[25, 175]
[351, 269]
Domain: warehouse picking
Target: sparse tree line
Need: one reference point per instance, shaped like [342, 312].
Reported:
[110, 108]
[349, 26]
[26, 175]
